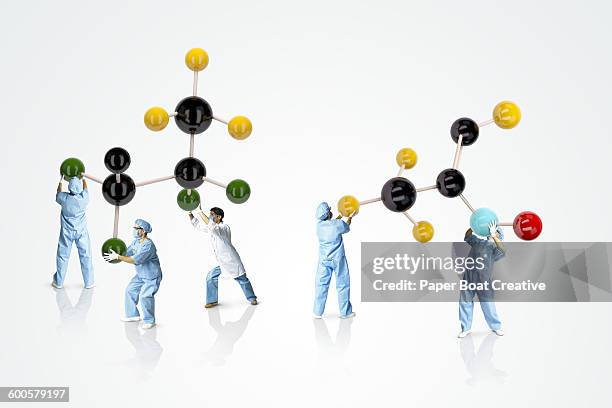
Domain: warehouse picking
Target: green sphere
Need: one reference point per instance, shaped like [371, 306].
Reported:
[238, 191]
[72, 167]
[188, 202]
[116, 245]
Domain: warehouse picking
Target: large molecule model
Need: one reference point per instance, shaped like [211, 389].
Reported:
[399, 194]
[193, 115]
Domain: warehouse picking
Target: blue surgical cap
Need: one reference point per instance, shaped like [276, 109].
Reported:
[144, 225]
[75, 186]
[322, 211]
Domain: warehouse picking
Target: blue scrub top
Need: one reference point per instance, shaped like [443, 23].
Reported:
[330, 233]
[145, 258]
[489, 252]
[73, 209]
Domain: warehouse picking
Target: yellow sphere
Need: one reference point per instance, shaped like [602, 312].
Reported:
[348, 205]
[406, 158]
[156, 119]
[196, 59]
[506, 114]
[240, 127]
[423, 231]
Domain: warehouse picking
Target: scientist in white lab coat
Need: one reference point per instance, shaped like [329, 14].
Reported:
[227, 256]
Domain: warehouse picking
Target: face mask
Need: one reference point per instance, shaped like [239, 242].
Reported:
[135, 233]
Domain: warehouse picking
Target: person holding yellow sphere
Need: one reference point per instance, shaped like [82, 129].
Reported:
[332, 259]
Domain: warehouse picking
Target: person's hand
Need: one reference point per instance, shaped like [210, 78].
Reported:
[493, 228]
[339, 216]
[112, 256]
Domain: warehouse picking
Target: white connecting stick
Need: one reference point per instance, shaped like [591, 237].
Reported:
[458, 152]
[211, 181]
[116, 224]
[217, 118]
[486, 122]
[370, 201]
[409, 217]
[467, 203]
[157, 180]
[92, 178]
[426, 188]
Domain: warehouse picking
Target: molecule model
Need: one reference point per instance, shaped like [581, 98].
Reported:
[399, 194]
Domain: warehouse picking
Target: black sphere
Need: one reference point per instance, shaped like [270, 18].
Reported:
[189, 173]
[118, 193]
[450, 183]
[193, 115]
[398, 194]
[117, 160]
[466, 127]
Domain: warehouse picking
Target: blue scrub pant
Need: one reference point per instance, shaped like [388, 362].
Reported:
[212, 285]
[145, 290]
[466, 310]
[64, 247]
[343, 285]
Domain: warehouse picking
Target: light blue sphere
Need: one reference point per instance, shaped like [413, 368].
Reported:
[480, 219]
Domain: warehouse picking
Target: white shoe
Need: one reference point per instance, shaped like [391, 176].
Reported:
[317, 316]
[348, 316]
[499, 332]
[55, 285]
[93, 285]
[463, 334]
[147, 326]
[130, 319]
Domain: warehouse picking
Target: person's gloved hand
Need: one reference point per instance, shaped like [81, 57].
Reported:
[493, 228]
[112, 256]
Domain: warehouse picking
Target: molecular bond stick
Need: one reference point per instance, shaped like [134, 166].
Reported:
[193, 115]
[399, 194]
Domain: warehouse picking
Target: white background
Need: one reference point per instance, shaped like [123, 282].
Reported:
[334, 89]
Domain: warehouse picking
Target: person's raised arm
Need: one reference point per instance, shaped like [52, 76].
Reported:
[84, 184]
[493, 232]
[59, 185]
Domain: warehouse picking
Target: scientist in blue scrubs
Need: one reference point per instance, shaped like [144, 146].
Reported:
[490, 250]
[73, 230]
[332, 260]
[145, 284]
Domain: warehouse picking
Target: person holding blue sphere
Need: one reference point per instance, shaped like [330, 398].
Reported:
[484, 238]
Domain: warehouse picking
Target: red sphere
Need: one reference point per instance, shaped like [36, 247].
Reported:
[527, 225]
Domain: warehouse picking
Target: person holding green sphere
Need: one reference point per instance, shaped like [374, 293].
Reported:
[73, 223]
[227, 256]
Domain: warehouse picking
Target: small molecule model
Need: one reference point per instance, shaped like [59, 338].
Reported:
[193, 115]
[399, 194]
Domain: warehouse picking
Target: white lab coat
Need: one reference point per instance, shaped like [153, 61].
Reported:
[221, 240]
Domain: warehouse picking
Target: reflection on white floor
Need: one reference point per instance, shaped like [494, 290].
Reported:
[242, 355]
[228, 334]
[331, 352]
[147, 349]
[479, 365]
[73, 317]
